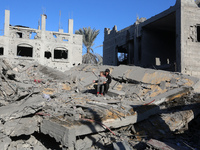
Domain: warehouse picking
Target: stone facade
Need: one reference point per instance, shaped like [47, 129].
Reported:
[169, 41]
[58, 50]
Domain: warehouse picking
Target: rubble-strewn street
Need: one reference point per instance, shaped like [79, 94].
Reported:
[42, 108]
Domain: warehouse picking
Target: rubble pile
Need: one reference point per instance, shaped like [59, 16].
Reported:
[42, 108]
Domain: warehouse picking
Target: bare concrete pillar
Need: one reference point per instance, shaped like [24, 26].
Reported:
[43, 23]
[70, 26]
[7, 22]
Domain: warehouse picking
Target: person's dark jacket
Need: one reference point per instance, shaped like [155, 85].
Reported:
[108, 77]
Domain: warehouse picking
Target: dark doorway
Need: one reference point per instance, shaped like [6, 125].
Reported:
[24, 51]
[159, 43]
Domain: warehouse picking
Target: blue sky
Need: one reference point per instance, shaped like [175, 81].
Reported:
[97, 14]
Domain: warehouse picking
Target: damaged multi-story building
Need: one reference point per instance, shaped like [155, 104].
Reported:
[169, 40]
[58, 50]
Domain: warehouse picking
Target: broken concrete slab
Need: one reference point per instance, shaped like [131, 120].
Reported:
[67, 114]
[160, 145]
[5, 141]
[23, 108]
[115, 93]
[124, 145]
[62, 133]
[22, 126]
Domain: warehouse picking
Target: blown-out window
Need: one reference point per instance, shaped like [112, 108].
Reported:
[1, 51]
[47, 54]
[60, 53]
[24, 51]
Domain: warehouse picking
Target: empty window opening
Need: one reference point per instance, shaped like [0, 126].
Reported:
[33, 35]
[23, 51]
[122, 55]
[198, 33]
[122, 58]
[54, 36]
[65, 40]
[60, 54]
[19, 34]
[1, 50]
[47, 54]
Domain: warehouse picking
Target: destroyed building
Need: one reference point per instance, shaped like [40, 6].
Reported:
[45, 109]
[42, 108]
[169, 40]
[58, 50]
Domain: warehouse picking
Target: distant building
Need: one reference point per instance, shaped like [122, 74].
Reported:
[58, 50]
[169, 41]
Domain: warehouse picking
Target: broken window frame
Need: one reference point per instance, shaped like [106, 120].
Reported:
[55, 58]
[19, 35]
[29, 54]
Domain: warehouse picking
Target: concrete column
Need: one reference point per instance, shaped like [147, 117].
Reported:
[43, 39]
[131, 52]
[43, 23]
[179, 45]
[70, 26]
[7, 23]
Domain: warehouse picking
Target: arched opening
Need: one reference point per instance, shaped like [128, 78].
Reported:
[60, 53]
[24, 50]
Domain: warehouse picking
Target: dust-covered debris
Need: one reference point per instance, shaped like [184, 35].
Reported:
[142, 105]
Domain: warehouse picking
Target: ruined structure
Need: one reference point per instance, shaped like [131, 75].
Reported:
[58, 50]
[169, 40]
[45, 109]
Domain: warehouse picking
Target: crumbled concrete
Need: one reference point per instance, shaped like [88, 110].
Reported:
[20, 109]
[22, 126]
[64, 106]
[4, 142]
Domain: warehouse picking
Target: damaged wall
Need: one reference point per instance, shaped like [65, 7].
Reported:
[58, 50]
[168, 40]
[190, 42]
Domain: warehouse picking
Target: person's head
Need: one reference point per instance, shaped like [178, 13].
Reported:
[101, 73]
[107, 72]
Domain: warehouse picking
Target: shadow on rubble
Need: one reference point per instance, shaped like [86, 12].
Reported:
[94, 121]
[47, 141]
[92, 91]
[154, 127]
[149, 125]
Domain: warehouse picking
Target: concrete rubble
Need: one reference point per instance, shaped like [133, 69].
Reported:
[42, 108]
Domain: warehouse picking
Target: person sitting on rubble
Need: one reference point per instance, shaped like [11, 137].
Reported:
[100, 83]
[108, 77]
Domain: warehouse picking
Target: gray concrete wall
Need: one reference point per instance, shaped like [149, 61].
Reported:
[168, 37]
[190, 47]
[42, 41]
[113, 39]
